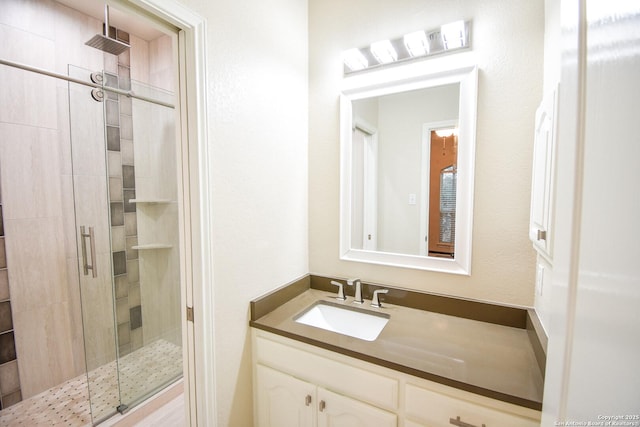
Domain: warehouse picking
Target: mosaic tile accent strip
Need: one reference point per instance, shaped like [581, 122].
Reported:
[122, 188]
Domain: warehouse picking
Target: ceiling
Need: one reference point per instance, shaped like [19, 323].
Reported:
[117, 18]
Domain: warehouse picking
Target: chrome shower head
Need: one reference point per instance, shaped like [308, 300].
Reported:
[106, 43]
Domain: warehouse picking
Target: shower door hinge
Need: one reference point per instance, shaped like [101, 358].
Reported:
[189, 314]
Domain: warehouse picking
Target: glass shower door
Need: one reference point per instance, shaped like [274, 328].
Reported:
[94, 215]
[126, 202]
[151, 198]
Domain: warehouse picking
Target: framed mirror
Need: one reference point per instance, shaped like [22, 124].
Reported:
[407, 166]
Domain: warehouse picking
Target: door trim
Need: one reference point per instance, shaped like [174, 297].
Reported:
[196, 218]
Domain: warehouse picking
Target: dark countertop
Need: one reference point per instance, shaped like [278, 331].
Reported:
[489, 359]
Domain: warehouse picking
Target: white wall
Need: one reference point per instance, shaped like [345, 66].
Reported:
[594, 322]
[257, 101]
[508, 44]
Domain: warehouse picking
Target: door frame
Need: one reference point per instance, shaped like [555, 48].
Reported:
[197, 282]
[425, 170]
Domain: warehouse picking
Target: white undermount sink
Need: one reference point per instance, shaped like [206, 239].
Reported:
[343, 319]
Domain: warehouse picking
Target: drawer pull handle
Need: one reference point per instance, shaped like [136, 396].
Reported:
[459, 423]
[307, 400]
[322, 405]
[541, 235]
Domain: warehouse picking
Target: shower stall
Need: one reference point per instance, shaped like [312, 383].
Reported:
[90, 292]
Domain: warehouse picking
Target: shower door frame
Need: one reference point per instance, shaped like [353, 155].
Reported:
[196, 250]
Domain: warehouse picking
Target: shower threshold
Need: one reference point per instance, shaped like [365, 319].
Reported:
[67, 404]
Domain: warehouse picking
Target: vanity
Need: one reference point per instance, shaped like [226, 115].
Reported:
[438, 361]
[407, 178]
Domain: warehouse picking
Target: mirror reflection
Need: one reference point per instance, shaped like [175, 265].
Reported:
[404, 169]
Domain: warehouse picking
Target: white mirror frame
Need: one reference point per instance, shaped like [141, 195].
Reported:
[418, 75]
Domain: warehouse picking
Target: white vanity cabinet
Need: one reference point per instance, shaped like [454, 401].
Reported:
[296, 384]
[294, 387]
[286, 401]
[283, 400]
[428, 408]
[543, 173]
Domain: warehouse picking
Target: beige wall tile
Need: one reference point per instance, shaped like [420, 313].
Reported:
[32, 97]
[70, 230]
[72, 30]
[87, 129]
[44, 349]
[30, 168]
[161, 63]
[91, 209]
[98, 310]
[75, 315]
[37, 18]
[139, 59]
[35, 249]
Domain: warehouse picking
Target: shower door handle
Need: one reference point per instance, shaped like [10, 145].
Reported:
[92, 247]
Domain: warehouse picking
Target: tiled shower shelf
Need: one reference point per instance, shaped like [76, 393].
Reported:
[151, 201]
[152, 246]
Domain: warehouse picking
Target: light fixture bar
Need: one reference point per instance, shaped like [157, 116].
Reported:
[417, 44]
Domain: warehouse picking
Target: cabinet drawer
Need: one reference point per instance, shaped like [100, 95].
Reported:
[434, 409]
[359, 383]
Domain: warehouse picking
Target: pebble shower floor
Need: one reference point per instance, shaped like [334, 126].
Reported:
[68, 403]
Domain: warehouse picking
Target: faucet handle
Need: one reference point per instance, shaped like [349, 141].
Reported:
[340, 286]
[358, 292]
[375, 301]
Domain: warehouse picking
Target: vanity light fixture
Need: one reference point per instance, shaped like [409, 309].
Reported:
[453, 35]
[354, 59]
[417, 44]
[384, 52]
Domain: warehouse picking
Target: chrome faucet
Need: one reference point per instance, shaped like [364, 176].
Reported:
[358, 296]
[375, 301]
[340, 286]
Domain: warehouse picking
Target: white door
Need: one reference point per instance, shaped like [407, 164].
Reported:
[542, 176]
[284, 401]
[364, 188]
[335, 410]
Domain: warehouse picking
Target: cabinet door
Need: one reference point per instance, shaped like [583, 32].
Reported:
[335, 410]
[283, 401]
[540, 228]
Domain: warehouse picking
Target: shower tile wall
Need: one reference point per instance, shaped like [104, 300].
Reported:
[37, 183]
[9, 376]
[122, 188]
[35, 175]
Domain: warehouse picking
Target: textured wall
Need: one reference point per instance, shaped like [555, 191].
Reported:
[508, 46]
[257, 101]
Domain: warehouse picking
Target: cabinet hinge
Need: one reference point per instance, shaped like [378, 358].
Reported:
[189, 314]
